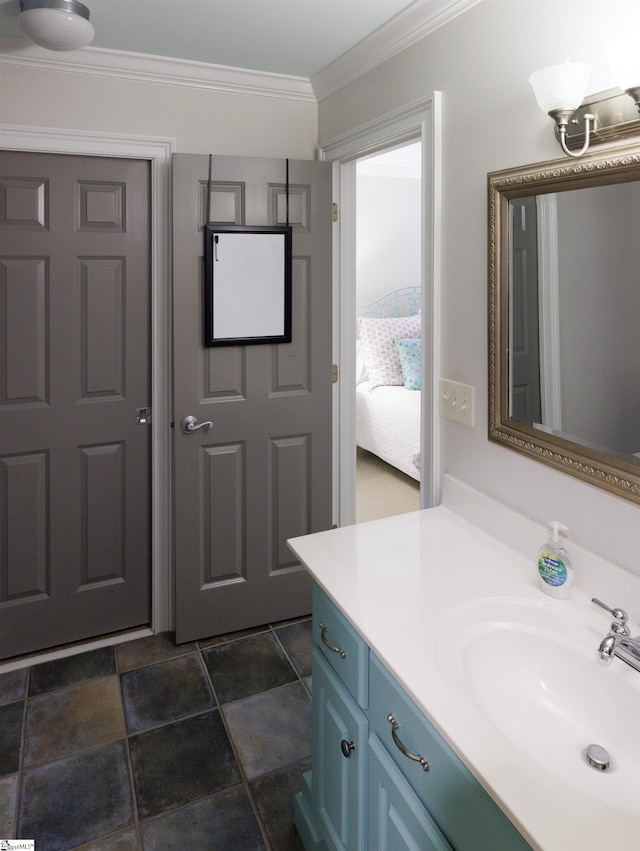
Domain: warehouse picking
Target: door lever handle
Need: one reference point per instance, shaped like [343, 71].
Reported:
[191, 424]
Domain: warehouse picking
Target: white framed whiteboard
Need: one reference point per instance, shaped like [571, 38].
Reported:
[247, 287]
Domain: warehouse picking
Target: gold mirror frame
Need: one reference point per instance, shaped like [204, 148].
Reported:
[615, 165]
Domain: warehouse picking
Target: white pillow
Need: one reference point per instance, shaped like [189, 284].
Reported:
[380, 353]
[361, 366]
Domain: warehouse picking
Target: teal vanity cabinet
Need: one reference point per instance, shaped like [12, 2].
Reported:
[340, 694]
[339, 761]
[382, 778]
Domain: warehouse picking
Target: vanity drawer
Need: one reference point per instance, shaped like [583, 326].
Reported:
[458, 804]
[341, 646]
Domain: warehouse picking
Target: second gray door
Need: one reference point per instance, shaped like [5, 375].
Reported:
[262, 473]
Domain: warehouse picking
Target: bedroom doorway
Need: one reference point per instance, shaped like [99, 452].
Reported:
[419, 120]
[388, 276]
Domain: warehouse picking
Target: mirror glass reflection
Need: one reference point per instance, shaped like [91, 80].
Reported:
[574, 315]
[564, 315]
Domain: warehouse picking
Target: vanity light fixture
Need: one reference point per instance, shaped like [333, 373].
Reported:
[56, 24]
[608, 116]
[624, 59]
[559, 90]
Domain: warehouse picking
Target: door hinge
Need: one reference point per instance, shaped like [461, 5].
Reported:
[334, 373]
[335, 212]
[143, 416]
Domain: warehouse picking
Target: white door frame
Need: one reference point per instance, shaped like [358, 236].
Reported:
[420, 119]
[159, 152]
[549, 310]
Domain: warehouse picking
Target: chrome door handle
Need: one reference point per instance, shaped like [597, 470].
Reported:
[191, 424]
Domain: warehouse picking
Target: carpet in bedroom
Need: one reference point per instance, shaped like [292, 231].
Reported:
[382, 490]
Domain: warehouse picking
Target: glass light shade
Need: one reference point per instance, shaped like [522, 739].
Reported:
[623, 56]
[561, 86]
[56, 24]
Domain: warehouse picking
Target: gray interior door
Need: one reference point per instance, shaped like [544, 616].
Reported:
[525, 365]
[74, 366]
[262, 473]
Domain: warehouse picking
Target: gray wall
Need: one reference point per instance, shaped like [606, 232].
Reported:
[201, 120]
[387, 234]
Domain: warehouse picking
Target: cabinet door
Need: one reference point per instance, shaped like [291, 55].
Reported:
[339, 761]
[464, 812]
[397, 819]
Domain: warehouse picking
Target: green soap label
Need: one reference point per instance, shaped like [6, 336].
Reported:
[552, 569]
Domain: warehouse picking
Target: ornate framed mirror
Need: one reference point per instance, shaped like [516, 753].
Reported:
[564, 315]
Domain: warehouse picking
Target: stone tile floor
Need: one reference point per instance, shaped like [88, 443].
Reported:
[149, 745]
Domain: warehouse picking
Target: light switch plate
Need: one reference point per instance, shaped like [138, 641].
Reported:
[457, 401]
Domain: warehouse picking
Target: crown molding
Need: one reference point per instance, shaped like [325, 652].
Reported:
[406, 28]
[156, 69]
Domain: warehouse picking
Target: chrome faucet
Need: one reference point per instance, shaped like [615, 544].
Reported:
[618, 642]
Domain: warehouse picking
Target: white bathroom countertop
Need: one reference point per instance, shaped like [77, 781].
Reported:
[398, 580]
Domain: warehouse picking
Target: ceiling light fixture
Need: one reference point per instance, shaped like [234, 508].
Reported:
[56, 24]
[609, 116]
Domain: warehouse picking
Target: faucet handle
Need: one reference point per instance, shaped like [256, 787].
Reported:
[619, 614]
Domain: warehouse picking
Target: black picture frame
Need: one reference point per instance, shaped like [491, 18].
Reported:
[247, 285]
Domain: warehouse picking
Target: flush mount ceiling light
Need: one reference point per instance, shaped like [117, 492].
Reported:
[608, 116]
[56, 24]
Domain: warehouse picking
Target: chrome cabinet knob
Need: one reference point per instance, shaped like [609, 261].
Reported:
[347, 747]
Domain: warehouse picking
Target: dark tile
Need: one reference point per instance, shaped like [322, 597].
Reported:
[126, 840]
[224, 822]
[248, 666]
[73, 719]
[153, 648]
[216, 640]
[76, 800]
[73, 669]
[273, 796]
[178, 763]
[8, 791]
[271, 730]
[10, 736]
[13, 686]
[297, 641]
[164, 692]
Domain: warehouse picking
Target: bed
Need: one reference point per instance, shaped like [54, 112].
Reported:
[388, 357]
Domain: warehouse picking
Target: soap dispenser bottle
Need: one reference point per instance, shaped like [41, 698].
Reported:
[554, 565]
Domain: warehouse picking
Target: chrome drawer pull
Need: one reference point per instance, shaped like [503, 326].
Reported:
[323, 628]
[394, 726]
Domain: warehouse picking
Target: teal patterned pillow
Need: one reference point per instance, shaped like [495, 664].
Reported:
[410, 354]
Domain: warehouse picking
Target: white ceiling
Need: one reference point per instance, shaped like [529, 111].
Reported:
[291, 37]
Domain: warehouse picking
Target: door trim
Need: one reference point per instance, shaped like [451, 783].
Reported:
[420, 119]
[549, 310]
[159, 152]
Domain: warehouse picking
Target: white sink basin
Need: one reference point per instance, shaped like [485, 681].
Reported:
[528, 673]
